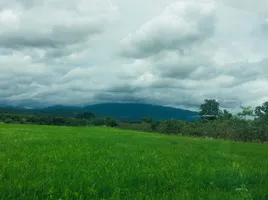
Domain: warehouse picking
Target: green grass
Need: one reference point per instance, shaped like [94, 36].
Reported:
[46, 162]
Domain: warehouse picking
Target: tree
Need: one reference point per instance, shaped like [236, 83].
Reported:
[155, 124]
[110, 121]
[99, 122]
[261, 112]
[246, 112]
[210, 108]
[58, 121]
[85, 115]
[226, 115]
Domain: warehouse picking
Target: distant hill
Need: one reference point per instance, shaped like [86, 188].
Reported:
[121, 111]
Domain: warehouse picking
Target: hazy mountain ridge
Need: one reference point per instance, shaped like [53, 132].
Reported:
[121, 111]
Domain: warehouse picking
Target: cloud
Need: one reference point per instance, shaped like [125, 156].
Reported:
[53, 26]
[175, 53]
[178, 28]
[221, 61]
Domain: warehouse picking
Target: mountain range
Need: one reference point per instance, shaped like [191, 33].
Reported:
[120, 111]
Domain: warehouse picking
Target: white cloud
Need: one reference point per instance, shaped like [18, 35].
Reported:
[179, 27]
[222, 62]
[172, 53]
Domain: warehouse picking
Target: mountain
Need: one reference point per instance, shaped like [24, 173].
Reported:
[121, 111]
[135, 112]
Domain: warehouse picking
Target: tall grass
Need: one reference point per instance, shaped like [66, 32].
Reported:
[46, 162]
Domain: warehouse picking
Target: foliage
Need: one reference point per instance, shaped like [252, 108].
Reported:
[99, 122]
[246, 112]
[85, 115]
[168, 127]
[138, 126]
[261, 112]
[110, 121]
[225, 126]
[225, 115]
[210, 107]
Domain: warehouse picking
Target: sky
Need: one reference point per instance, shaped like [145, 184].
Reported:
[172, 53]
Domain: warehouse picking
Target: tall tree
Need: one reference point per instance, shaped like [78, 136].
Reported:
[246, 112]
[210, 107]
[226, 115]
[261, 112]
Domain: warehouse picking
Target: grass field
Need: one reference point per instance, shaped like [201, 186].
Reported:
[46, 162]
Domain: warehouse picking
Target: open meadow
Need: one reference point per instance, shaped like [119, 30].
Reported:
[49, 162]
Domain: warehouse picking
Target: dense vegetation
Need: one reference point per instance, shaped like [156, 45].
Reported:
[48, 162]
[248, 125]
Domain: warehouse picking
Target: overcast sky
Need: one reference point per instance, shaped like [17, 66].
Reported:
[174, 53]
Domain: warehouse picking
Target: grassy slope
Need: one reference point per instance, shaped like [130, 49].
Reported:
[45, 162]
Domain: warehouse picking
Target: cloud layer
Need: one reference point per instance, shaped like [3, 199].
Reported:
[175, 53]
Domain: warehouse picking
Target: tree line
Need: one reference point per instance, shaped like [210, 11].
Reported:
[81, 119]
[249, 125]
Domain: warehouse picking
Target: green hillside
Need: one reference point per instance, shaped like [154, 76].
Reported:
[48, 162]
